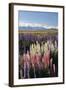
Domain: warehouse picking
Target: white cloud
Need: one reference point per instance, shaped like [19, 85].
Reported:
[22, 24]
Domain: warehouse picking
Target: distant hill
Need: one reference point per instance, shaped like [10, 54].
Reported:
[32, 28]
[35, 28]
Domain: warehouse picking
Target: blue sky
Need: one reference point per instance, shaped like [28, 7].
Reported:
[48, 18]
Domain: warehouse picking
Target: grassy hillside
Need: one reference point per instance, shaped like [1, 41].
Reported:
[41, 32]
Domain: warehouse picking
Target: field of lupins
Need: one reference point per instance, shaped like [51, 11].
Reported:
[38, 54]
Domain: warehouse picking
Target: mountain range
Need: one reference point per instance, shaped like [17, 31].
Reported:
[30, 26]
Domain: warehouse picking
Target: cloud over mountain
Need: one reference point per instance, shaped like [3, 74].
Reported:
[35, 26]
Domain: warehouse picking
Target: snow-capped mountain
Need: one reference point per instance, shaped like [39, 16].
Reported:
[34, 26]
